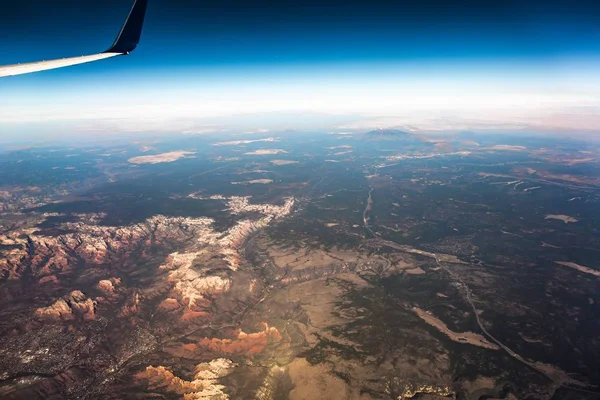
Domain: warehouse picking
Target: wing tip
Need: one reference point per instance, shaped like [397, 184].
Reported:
[130, 33]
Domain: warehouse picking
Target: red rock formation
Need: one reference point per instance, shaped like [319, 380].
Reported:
[58, 311]
[109, 289]
[160, 378]
[82, 305]
[169, 304]
[246, 344]
[131, 306]
[74, 306]
[92, 244]
[189, 315]
[204, 386]
[49, 279]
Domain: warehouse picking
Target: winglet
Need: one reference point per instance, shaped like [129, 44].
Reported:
[129, 37]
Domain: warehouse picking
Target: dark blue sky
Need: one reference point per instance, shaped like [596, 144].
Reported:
[181, 33]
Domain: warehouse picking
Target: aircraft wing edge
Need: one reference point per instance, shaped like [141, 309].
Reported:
[126, 41]
[26, 68]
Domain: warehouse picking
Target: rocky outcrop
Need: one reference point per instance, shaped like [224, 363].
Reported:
[241, 205]
[160, 378]
[109, 288]
[93, 244]
[192, 284]
[74, 306]
[120, 266]
[131, 306]
[191, 287]
[236, 236]
[169, 305]
[204, 386]
[245, 344]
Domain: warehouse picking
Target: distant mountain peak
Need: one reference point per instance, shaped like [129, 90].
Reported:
[387, 133]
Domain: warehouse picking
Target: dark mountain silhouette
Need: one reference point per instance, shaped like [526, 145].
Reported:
[388, 134]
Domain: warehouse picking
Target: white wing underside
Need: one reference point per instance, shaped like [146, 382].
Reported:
[18, 69]
[125, 43]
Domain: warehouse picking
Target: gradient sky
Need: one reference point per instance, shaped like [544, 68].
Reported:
[426, 64]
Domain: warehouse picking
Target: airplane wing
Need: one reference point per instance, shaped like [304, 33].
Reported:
[126, 41]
